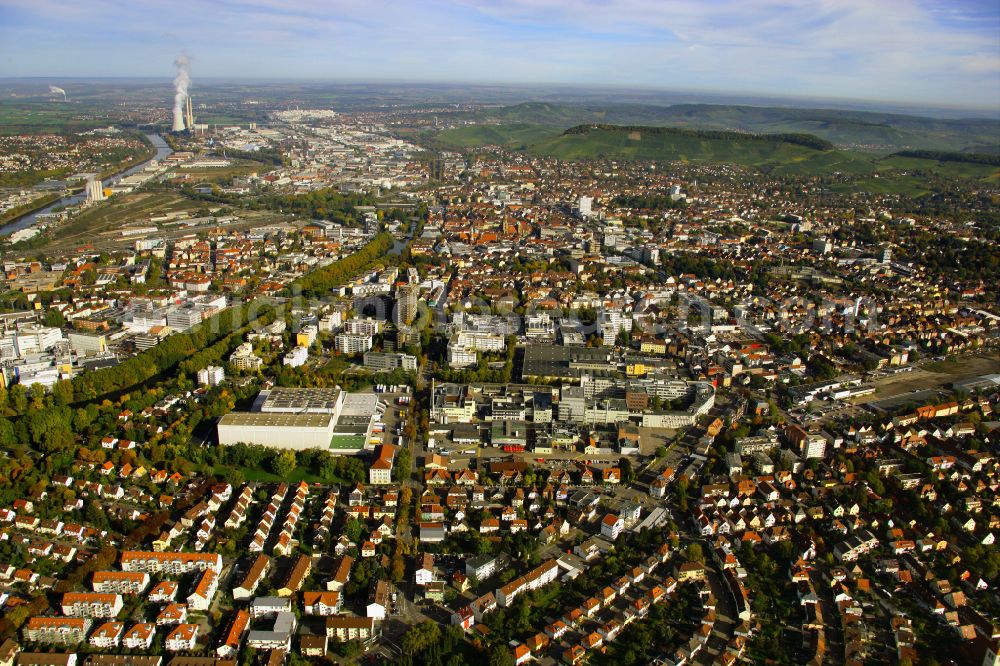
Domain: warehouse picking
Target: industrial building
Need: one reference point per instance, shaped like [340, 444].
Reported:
[306, 418]
[288, 431]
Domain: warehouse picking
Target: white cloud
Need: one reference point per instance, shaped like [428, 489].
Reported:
[886, 48]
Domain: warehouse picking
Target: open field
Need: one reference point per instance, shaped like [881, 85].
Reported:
[19, 117]
[966, 366]
[111, 215]
[125, 209]
[218, 174]
[934, 375]
[110, 240]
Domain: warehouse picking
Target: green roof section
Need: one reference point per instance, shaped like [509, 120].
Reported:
[348, 442]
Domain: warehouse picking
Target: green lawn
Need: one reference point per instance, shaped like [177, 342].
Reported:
[263, 476]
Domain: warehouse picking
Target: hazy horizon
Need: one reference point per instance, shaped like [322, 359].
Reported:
[510, 93]
[904, 52]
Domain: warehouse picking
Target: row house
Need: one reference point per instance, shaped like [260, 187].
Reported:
[345, 628]
[108, 635]
[322, 603]
[538, 577]
[91, 604]
[251, 581]
[201, 598]
[229, 647]
[59, 630]
[170, 563]
[139, 636]
[120, 582]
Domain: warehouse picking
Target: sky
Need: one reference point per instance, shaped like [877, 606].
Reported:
[943, 53]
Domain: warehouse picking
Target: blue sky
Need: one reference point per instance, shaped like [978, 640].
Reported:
[897, 50]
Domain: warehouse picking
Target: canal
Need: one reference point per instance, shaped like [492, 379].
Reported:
[162, 150]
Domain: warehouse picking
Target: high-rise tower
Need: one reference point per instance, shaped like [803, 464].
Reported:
[406, 304]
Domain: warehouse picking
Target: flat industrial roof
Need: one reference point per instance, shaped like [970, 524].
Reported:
[557, 361]
[360, 404]
[301, 399]
[276, 420]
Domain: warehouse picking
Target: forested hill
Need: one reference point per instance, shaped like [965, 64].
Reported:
[845, 128]
[807, 140]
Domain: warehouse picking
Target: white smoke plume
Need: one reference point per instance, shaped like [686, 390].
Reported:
[56, 90]
[181, 83]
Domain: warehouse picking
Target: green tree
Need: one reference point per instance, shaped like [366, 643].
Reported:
[54, 318]
[501, 656]
[628, 474]
[420, 637]
[681, 491]
[19, 398]
[8, 439]
[62, 392]
[353, 529]
[37, 393]
[328, 468]
[284, 463]
[401, 471]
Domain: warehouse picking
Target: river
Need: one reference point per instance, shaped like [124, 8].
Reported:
[162, 150]
[399, 244]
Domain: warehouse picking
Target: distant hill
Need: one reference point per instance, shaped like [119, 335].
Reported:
[673, 144]
[856, 129]
[511, 135]
[806, 140]
[904, 172]
[942, 156]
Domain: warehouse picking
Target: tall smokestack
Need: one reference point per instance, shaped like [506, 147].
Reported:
[189, 114]
[181, 83]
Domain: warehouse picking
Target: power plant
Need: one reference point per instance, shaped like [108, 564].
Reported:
[182, 101]
[186, 120]
[95, 190]
[188, 114]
